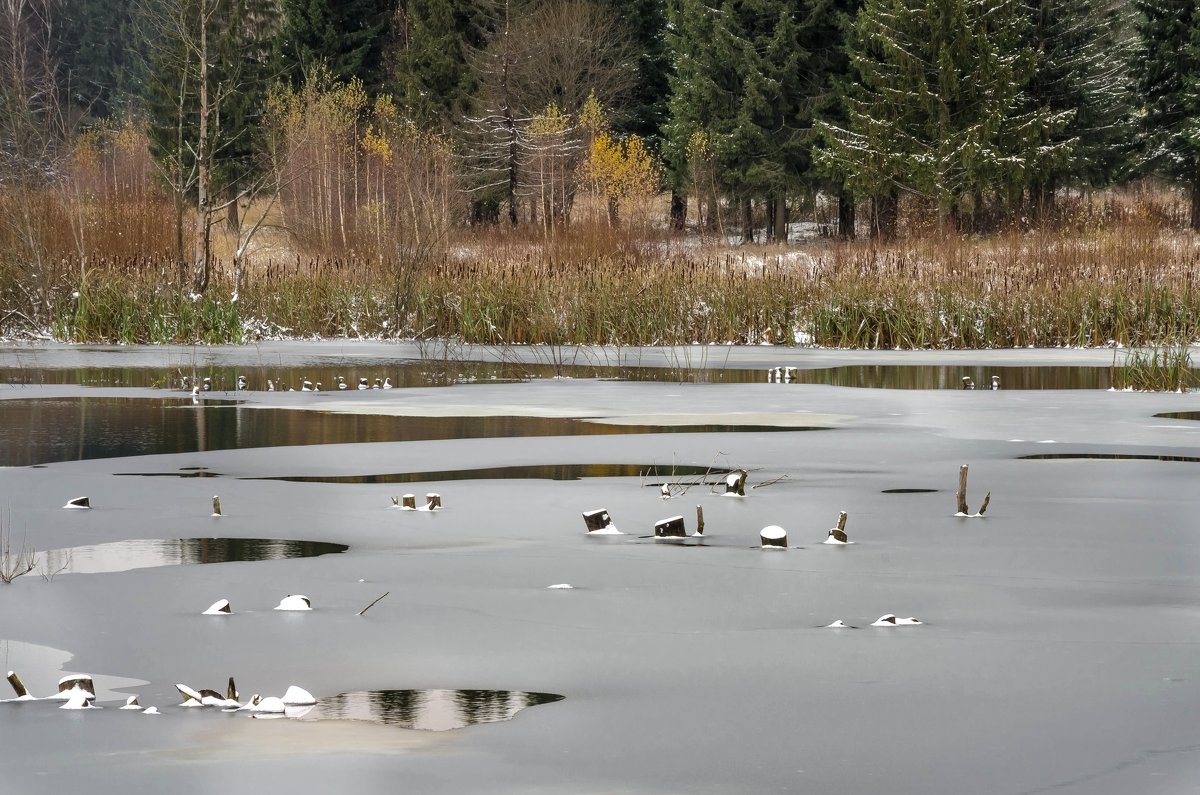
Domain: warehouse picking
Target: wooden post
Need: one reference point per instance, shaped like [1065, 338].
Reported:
[962, 490]
[986, 500]
[433, 501]
[409, 501]
[216, 506]
[735, 483]
[699, 520]
[17, 685]
[839, 532]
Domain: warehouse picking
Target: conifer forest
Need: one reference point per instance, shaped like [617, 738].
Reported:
[858, 173]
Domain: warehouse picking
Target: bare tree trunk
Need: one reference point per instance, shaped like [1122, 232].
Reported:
[679, 209]
[203, 209]
[781, 220]
[846, 215]
[747, 221]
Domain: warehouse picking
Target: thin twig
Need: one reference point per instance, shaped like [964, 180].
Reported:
[368, 607]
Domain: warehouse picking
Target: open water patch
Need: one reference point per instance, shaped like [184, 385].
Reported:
[428, 710]
[520, 472]
[142, 553]
[47, 430]
[908, 491]
[1110, 457]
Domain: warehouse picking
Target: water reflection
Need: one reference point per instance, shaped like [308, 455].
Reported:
[35, 431]
[430, 710]
[408, 373]
[1110, 457]
[533, 471]
[142, 553]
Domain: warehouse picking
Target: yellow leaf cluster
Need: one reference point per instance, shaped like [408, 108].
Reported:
[621, 169]
[550, 121]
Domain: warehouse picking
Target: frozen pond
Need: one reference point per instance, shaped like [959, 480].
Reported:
[1055, 653]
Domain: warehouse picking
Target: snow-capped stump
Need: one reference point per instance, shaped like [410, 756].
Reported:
[297, 697]
[664, 491]
[890, 620]
[838, 624]
[73, 683]
[995, 383]
[79, 503]
[967, 383]
[599, 522]
[963, 510]
[132, 703]
[151, 711]
[220, 607]
[294, 602]
[433, 502]
[773, 537]
[216, 505]
[735, 483]
[409, 502]
[837, 535]
[562, 586]
[79, 699]
[671, 527]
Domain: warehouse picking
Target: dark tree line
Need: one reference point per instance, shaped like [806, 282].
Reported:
[982, 110]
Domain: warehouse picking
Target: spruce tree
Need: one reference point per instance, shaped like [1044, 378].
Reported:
[941, 109]
[1084, 52]
[95, 49]
[347, 36]
[1168, 78]
[432, 78]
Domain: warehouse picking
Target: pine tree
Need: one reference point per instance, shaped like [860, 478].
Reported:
[940, 110]
[1168, 78]
[348, 36]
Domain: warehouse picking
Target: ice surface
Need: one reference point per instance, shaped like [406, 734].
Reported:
[1057, 653]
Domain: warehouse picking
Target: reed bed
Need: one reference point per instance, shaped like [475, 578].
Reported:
[1130, 283]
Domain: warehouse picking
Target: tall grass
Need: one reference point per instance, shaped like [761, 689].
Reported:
[1165, 368]
[1012, 291]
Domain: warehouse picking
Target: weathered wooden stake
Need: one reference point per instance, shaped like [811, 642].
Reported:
[962, 489]
[986, 500]
[839, 532]
[409, 501]
[699, 520]
[216, 506]
[17, 685]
